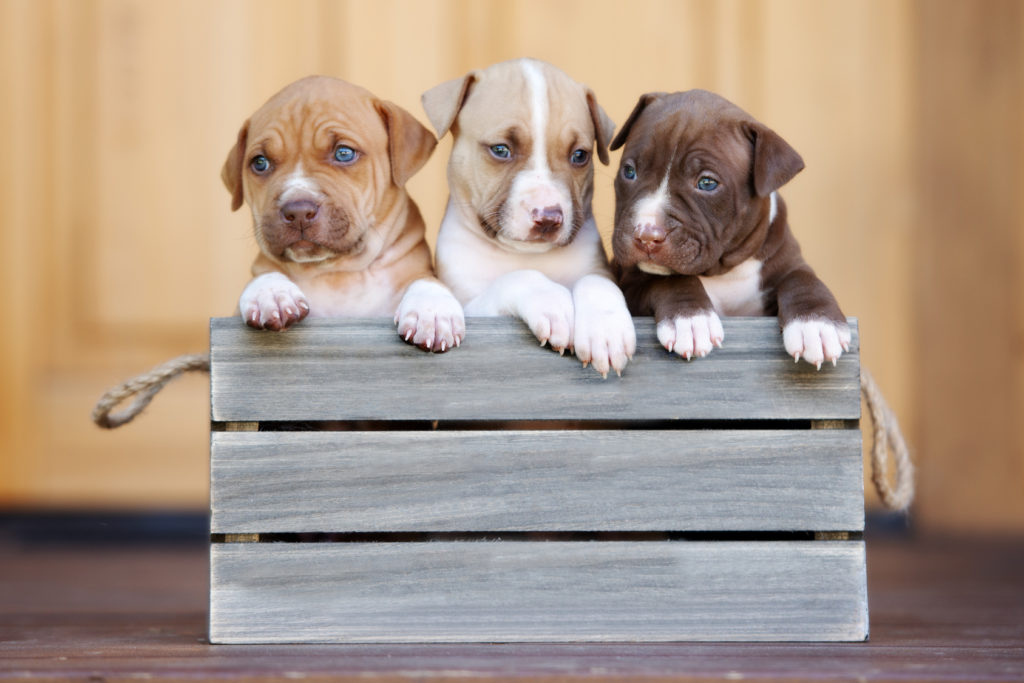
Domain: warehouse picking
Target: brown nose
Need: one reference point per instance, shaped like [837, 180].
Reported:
[650, 236]
[547, 219]
[301, 212]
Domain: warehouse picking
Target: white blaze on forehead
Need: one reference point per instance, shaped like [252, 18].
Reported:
[298, 185]
[536, 187]
[538, 115]
[651, 209]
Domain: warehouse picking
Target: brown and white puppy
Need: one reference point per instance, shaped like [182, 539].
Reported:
[323, 165]
[518, 236]
[700, 230]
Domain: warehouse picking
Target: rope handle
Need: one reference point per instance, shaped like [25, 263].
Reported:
[143, 388]
[886, 429]
[887, 436]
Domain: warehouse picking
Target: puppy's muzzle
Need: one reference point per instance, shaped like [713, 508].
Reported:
[546, 222]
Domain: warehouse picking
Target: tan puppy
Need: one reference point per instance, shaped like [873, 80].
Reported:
[518, 236]
[323, 165]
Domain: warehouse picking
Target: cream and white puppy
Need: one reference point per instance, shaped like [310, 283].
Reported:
[518, 236]
[323, 165]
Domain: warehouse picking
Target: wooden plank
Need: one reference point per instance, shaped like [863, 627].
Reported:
[626, 480]
[358, 369]
[553, 592]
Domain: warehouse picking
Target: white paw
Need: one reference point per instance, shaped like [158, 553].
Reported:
[430, 317]
[691, 336]
[604, 334]
[816, 340]
[548, 312]
[272, 302]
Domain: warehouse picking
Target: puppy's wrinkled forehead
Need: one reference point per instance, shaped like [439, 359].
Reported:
[316, 113]
[521, 99]
[692, 127]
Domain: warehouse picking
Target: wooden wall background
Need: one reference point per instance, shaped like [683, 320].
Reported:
[118, 241]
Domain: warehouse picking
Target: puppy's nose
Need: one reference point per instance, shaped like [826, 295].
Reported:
[650, 236]
[301, 211]
[547, 219]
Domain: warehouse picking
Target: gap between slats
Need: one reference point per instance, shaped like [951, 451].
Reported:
[522, 425]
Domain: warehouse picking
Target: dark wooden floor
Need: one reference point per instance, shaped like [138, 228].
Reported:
[948, 609]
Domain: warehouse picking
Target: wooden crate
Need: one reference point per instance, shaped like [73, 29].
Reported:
[364, 491]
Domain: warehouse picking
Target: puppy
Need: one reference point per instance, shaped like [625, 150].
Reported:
[323, 165]
[700, 230]
[518, 235]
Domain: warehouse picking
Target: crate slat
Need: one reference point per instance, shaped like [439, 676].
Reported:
[360, 370]
[551, 480]
[553, 592]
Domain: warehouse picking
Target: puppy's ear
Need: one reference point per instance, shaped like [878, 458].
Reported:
[603, 126]
[775, 162]
[443, 102]
[231, 174]
[409, 141]
[641, 104]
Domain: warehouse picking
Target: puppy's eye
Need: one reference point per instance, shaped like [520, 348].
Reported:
[579, 157]
[344, 155]
[259, 164]
[501, 152]
[707, 184]
[629, 171]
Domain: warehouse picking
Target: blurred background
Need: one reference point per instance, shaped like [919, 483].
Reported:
[119, 243]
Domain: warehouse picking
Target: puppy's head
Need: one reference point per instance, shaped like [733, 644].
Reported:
[524, 136]
[317, 163]
[693, 192]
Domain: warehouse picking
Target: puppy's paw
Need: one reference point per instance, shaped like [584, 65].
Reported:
[272, 302]
[604, 335]
[430, 317]
[548, 312]
[691, 336]
[816, 340]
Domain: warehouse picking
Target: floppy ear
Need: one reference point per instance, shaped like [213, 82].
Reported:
[603, 126]
[443, 102]
[641, 104]
[775, 162]
[231, 174]
[409, 141]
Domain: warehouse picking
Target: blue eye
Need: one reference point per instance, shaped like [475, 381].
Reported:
[629, 171]
[579, 158]
[259, 164]
[501, 151]
[344, 155]
[707, 184]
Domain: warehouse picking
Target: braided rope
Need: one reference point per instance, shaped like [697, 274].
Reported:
[886, 437]
[144, 388]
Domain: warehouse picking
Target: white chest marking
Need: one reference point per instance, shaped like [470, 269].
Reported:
[737, 292]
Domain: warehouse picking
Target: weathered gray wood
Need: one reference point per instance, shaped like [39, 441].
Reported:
[626, 480]
[358, 369]
[558, 592]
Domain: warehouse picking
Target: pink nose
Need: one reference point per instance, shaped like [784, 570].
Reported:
[547, 219]
[301, 211]
[650, 236]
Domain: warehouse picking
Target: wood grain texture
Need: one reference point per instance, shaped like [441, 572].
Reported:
[360, 370]
[552, 592]
[629, 480]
